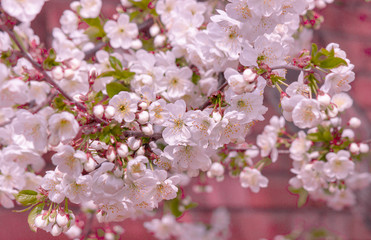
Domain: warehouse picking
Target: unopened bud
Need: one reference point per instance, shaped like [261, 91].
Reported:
[133, 143]
[248, 75]
[148, 129]
[324, 100]
[98, 111]
[56, 230]
[332, 112]
[110, 154]
[364, 148]
[109, 112]
[74, 63]
[69, 74]
[335, 121]
[143, 117]
[123, 150]
[136, 44]
[57, 73]
[348, 133]
[154, 30]
[216, 170]
[62, 220]
[140, 152]
[159, 40]
[40, 222]
[354, 148]
[143, 105]
[90, 165]
[354, 122]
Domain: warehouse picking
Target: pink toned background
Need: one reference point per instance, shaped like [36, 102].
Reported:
[272, 211]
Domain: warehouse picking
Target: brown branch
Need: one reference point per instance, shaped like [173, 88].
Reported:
[140, 134]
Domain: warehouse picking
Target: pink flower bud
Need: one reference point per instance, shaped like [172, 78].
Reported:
[354, 122]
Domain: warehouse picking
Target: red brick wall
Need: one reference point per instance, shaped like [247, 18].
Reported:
[272, 211]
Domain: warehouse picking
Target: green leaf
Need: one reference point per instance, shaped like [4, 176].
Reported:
[33, 214]
[26, 197]
[114, 88]
[332, 62]
[174, 207]
[303, 195]
[50, 62]
[115, 63]
[142, 4]
[195, 78]
[314, 50]
[95, 29]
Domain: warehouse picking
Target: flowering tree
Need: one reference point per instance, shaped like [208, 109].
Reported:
[132, 106]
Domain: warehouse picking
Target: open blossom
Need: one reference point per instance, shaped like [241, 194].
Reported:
[125, 105]
[63, 126]
[122, 32]
[52, 182]
[252, 178]
[69, 161]
[25, 10]
[338, 80]
[306, 113]
[338, 164]
[90, 8]
[176, 130]
[32, 127]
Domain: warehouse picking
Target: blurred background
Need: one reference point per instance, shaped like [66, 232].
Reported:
[273, 210]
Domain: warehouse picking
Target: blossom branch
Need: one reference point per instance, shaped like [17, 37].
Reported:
[47, 78]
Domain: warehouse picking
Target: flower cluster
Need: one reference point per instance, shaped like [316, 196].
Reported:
[124, 111]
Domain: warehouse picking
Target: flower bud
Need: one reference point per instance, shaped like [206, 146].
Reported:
[216, 170]
[354, 122]
[90, 165]
[69, 74]
[140, 152]
[143, 105]
[248, 75]
[75, 5]
[126, 3]
[154, 30]
[74, 64]
[98, 111]
[148, 129]
[335, 121]
[324, 100]
[354, 148]
[159, 40]
[110, 154]
[109, 236]
[136, 44]
[109, 112]
[62, 220]
[364, 148]
[40, 222]
[123, 150]
[56, 230]
[143, 117]
[332, 112]
[57, 73]
[348, 133]
[133, 143]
